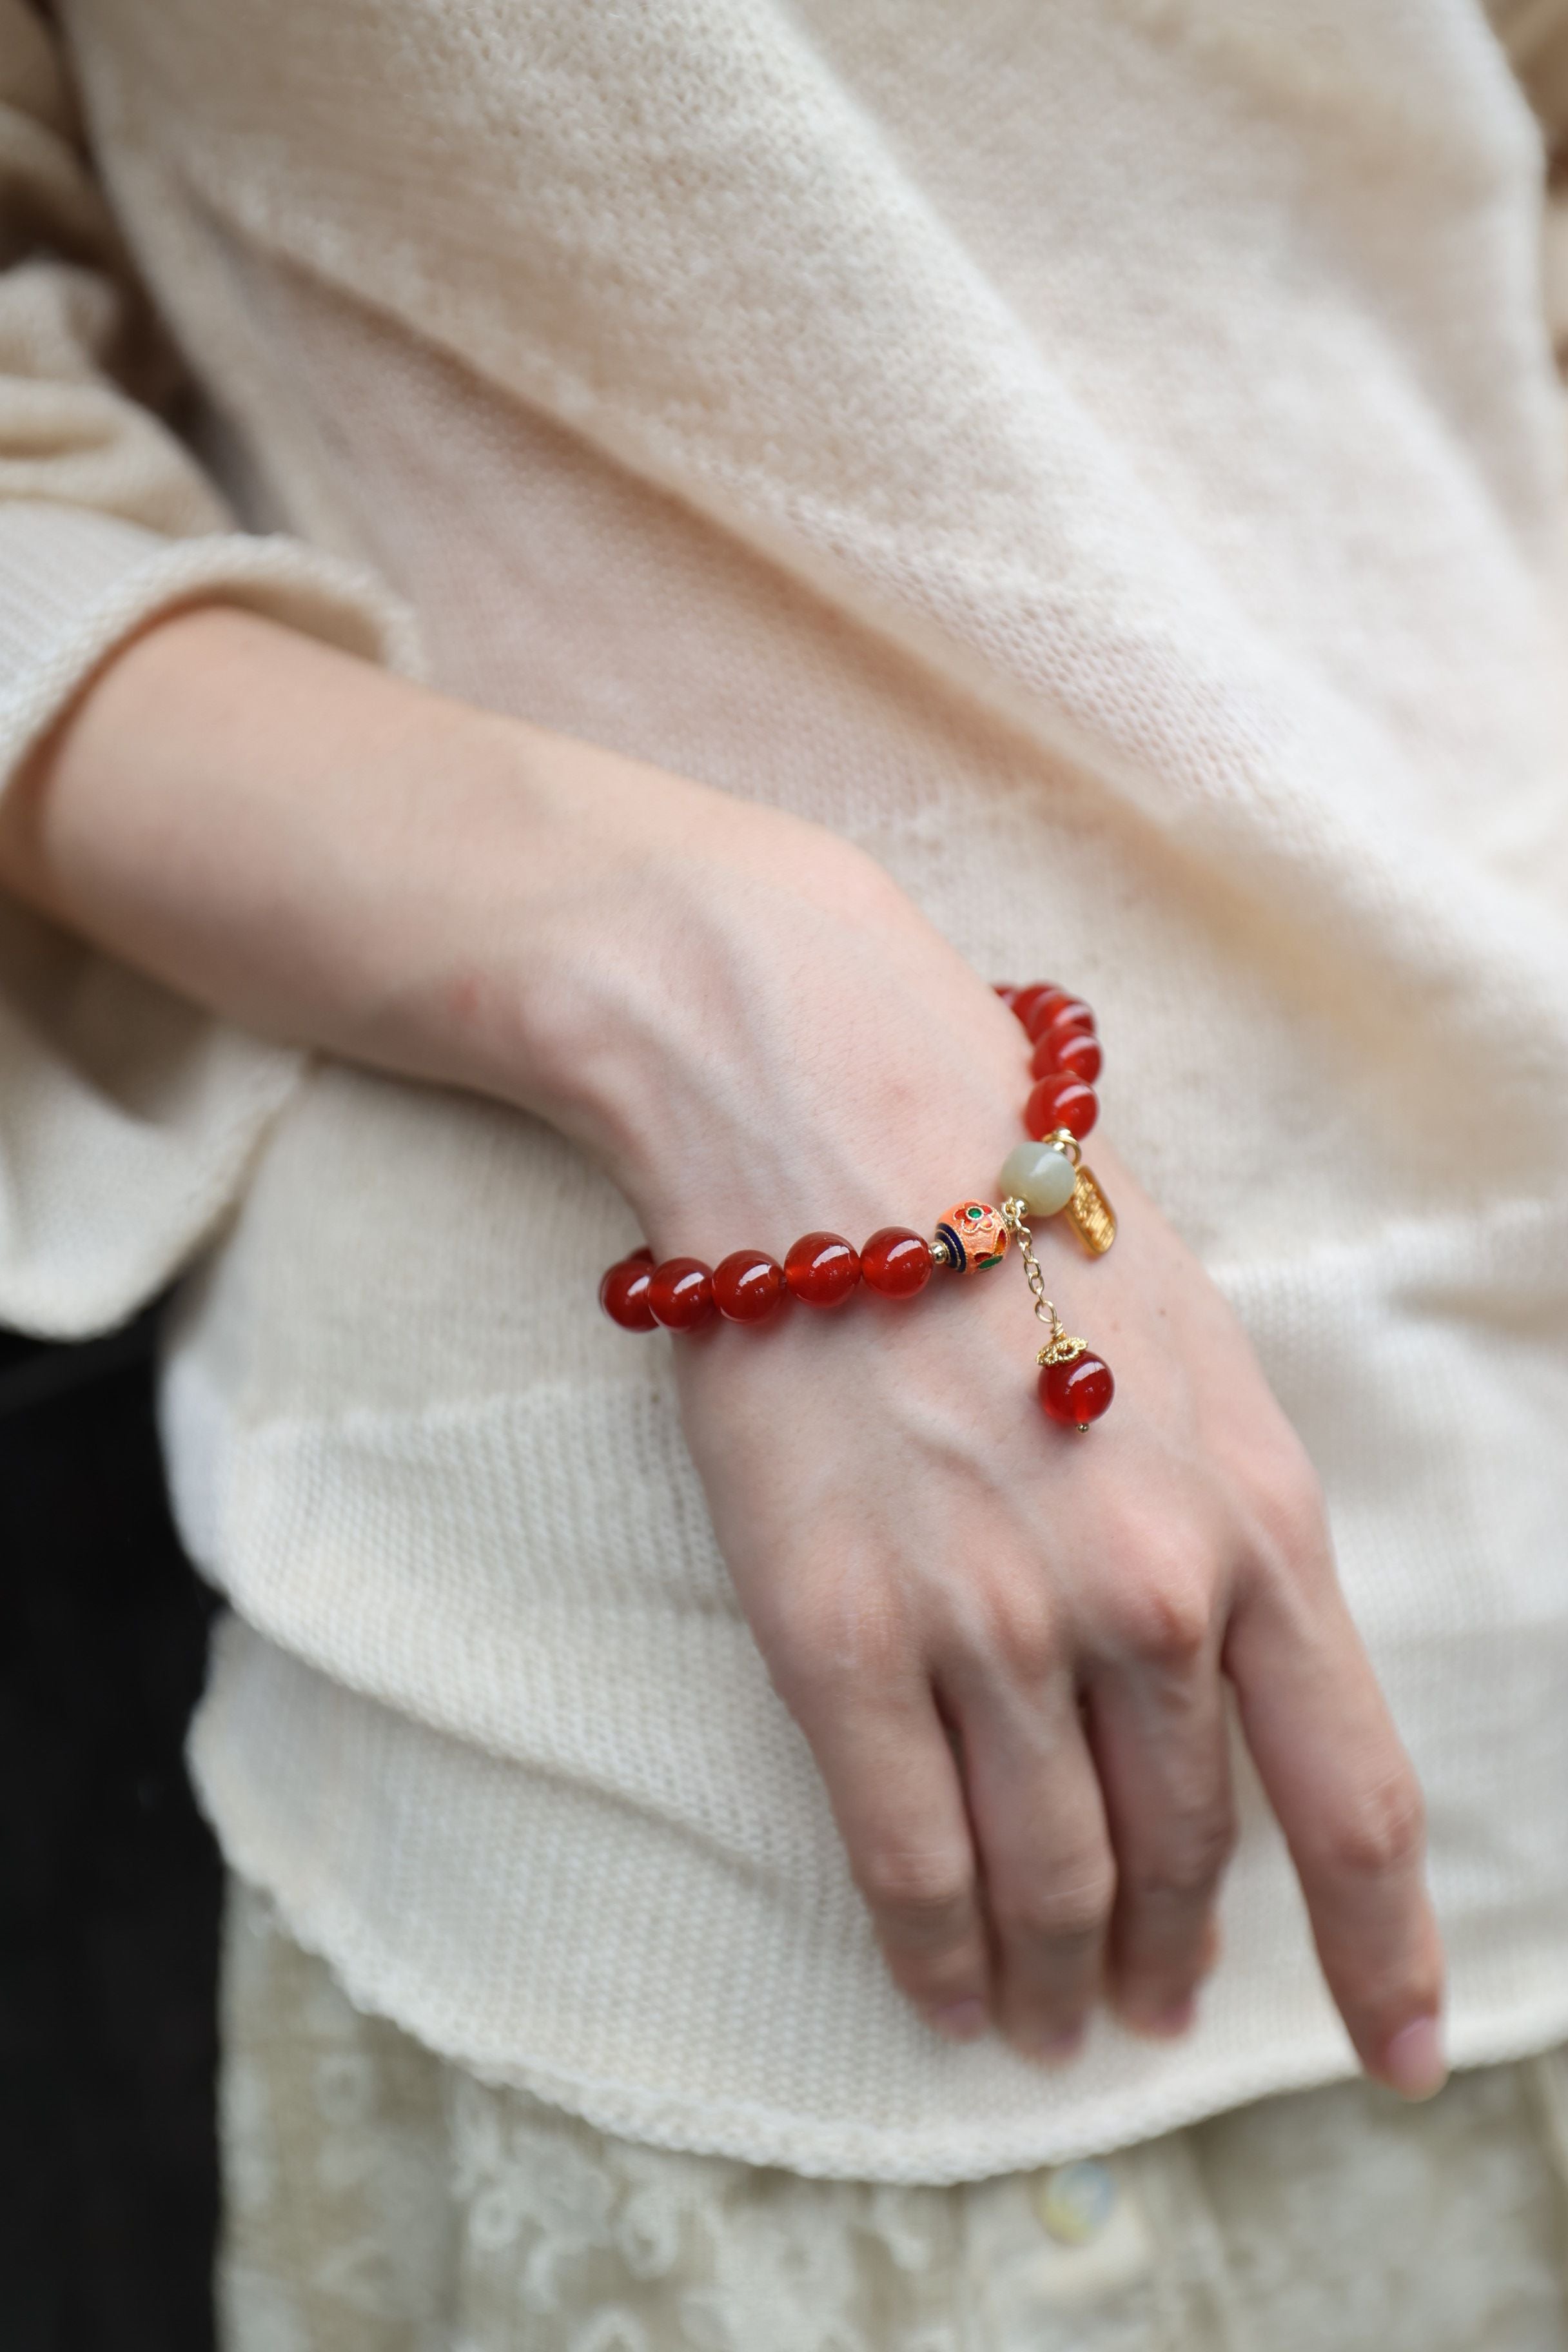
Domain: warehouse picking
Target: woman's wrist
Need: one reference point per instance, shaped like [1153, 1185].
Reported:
[338, 858]
[738, 1014]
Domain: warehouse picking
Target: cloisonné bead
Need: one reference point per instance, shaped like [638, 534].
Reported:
[1061, 1102]
[896, 1262]
[1077, 1392]
[623, 1293]
[975, 1236]
[1071, 1052]
[680, 1293]
[748, 1286]
[1040, 1175]
[821, 1268]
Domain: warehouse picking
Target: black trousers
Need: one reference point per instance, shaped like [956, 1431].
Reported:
[108, 1881]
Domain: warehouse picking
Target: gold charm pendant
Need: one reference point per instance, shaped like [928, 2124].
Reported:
[1090, 1215]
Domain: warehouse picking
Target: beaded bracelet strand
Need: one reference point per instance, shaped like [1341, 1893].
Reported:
[1043, 1177]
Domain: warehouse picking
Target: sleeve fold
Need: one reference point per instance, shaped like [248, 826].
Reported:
[128, 1118]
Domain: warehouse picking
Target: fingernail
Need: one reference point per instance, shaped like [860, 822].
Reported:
[961, 2020]
[1059, 2049]
[1171, 2022]
[1413, 2060]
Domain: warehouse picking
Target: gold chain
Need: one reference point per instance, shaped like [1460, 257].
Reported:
[1061, 1348]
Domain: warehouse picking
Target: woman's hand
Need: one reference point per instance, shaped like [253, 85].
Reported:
[1006, 1645]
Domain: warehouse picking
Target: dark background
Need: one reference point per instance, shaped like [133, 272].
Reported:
[108, 1881]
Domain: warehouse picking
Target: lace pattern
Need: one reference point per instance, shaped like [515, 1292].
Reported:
[381, 2200]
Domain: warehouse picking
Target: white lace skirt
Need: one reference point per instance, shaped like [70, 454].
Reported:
[381, 2200]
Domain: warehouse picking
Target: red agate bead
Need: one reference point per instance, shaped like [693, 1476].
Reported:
[1077, 1392]
[1060, 1016]
[680, 1293]
[821, 1268]
[747, 1286]
[1027, 1002]
[1072, 1053]
[1061, 1102]
[896, 1261]
[623, 1293]
[1045, 1008]
[1008, 991]
[1074, 1014]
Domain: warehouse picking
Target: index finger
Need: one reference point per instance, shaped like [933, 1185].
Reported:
[1347, 1797]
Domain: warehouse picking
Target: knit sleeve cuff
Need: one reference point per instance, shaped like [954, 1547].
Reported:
[129, 1119]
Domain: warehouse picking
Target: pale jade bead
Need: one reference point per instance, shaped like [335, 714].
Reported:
[1040, 1175]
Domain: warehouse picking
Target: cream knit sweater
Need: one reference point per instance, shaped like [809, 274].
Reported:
[1107, 459]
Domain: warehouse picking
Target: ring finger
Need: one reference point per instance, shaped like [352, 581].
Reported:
[1045, 1860]
[1158, 1733]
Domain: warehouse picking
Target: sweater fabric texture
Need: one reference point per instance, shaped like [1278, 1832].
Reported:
[1108, 460]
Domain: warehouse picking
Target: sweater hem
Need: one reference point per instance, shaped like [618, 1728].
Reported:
[820, 2148]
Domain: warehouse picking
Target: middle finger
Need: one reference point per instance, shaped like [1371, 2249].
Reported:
[1046, 1858]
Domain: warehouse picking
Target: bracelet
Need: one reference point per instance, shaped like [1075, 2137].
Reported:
[1043, 1177]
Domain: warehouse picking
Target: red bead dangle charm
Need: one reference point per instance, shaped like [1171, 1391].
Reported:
[1075, 1386]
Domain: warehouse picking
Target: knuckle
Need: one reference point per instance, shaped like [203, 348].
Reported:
[1166, 1615]
[924, 1898]
[823, 1630]
[1383, 1832]
[1288, 1506]
[1187, 1862]
[1071, 1904]
[1018, 1628]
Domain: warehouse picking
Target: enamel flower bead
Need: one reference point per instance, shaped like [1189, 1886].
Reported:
[975, 1236]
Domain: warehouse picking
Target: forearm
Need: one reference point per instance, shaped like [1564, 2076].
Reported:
[294, 839]
[704, 994]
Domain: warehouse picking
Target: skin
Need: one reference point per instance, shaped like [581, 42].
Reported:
[1007, 1646]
